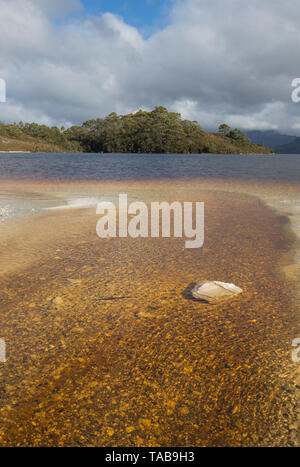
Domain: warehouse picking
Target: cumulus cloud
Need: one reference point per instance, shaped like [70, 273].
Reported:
[215, 61]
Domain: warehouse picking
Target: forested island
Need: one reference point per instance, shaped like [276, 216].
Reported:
[157, 131]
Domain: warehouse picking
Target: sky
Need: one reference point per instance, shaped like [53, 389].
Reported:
[146, 15]
[214, 61]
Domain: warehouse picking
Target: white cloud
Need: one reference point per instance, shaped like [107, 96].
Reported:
[216, 61]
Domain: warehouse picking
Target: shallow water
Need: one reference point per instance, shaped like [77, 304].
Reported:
[105, 346]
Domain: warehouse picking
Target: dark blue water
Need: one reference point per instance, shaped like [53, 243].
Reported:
[61, 166]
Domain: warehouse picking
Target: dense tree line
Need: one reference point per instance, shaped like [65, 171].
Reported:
[157, 131]
[33, 132]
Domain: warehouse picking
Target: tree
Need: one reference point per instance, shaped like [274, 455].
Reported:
[224, 129]
[238, 134]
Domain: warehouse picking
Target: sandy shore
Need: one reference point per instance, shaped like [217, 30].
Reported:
[105, 346]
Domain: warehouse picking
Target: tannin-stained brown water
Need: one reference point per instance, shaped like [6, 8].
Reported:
[105, 346]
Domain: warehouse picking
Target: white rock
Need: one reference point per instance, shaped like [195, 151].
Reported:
[58, 301]
[213, 291]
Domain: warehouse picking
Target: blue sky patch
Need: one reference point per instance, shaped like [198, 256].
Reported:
[146, 15]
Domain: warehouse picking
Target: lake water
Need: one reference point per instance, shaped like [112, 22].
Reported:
[63, 166]
[78, 167]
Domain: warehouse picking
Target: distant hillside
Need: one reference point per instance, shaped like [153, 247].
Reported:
[291, 148]
[27, 145]
[270, 138]
[158, 131]
[34, 138]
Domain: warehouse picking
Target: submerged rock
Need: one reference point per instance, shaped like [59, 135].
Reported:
[213, 291]
[58, 301]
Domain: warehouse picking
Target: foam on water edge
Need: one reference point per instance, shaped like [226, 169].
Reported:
[6, 211]
[11, 209]
[86, 202]
[14, 205]
[78, 203]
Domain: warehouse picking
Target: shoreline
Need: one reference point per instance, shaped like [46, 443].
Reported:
[146, 153]
[121, 298]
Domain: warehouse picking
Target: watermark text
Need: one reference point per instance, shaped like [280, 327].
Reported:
[2, 90]
[2, 351]
[296, 352]
[296, 91]
[161, 220]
